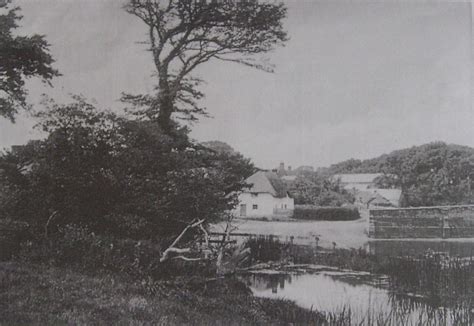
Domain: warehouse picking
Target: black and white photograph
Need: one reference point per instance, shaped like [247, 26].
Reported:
[237, 162]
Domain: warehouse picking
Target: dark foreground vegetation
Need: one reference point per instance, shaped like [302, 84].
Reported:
[31, 294]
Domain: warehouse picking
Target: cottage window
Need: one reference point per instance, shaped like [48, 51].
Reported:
[254, 206]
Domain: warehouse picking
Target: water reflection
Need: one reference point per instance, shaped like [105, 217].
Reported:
[364, 294]
[323, 291]
[265, 282]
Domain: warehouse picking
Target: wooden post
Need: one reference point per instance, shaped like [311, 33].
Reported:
[291, 245]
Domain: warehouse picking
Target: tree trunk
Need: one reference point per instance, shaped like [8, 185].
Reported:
[165, 105]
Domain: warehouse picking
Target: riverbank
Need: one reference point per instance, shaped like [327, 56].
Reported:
[33, 294]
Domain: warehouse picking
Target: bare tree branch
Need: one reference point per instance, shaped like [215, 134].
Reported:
[172, 248]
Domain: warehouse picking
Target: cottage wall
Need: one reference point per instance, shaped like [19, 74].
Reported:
[266, 205]
[422, 222]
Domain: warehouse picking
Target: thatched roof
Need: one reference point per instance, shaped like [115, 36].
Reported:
[267, 182]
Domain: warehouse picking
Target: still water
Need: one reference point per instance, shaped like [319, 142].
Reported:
[324, 291]
[367, 296]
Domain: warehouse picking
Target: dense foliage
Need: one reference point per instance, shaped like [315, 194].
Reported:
[312, 188]
[21, 57]
[116, 176]
[430, 174]
[318, 213]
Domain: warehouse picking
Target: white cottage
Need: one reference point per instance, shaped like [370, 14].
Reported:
[268, 197]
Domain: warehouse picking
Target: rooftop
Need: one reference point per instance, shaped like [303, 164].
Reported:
[267, 182]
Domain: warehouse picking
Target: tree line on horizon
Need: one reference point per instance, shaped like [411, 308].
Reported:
[428, 175]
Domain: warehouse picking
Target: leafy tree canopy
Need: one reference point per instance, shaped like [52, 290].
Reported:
[21, 57]
[430, 174]
[117, 175]
[312, 188]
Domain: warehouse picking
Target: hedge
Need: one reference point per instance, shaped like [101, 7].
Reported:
[320, 213]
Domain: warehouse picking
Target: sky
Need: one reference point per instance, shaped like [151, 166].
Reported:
[356, 79]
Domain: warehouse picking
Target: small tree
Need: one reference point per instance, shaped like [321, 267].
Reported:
[21, 57]
[184, 34]
[316, 189]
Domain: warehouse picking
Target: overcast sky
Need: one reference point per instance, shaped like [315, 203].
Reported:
[357, 79]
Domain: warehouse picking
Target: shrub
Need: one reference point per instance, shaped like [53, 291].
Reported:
[11, 235]
[79, 248]
[320, 213]
[264, 249]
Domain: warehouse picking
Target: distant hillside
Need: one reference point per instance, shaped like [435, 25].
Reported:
[431, 174]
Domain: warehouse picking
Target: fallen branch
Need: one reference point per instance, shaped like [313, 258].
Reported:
[172, 248]
[50, 219]
[179, 250]
[187, 258]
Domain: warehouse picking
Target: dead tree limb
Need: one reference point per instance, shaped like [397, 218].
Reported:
[187, 258]
[173, 249]
[220, 255]
[50, 219]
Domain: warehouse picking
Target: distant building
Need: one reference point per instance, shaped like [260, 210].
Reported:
[358, 181]
[374, 197]
[282, 171]
[268, 197]
[365, 191]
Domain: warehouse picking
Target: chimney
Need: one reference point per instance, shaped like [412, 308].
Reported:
[282, 167]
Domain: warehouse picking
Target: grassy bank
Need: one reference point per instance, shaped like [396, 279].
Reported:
[33, 294]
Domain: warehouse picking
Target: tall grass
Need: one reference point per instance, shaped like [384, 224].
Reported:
[406, 316]
[429, 289]
[440, 279]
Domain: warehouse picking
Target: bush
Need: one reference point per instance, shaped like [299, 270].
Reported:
[319, 213]
[12, 233]
[79, 248]
[264, 249]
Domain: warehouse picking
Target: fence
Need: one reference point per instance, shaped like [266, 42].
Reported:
[443, 222]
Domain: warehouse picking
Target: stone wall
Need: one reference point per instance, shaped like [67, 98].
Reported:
[422, 222]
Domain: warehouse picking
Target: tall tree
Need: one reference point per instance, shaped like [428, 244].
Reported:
[184, 34]
[21, 57]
